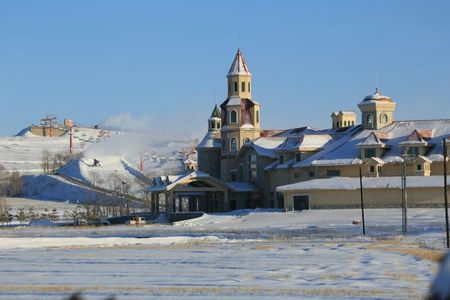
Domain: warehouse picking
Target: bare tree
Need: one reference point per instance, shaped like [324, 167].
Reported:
[46, 163]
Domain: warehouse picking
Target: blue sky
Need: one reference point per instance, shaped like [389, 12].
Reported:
[167, 60]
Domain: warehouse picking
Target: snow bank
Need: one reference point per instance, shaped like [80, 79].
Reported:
[56, 242]
[51, 187]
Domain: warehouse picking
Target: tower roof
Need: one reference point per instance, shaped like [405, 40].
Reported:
[239, 66]
[216, 112]
[377, 97]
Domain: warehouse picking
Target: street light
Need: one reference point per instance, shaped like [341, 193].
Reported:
[362, 197]
[445, 191]
[404, 156]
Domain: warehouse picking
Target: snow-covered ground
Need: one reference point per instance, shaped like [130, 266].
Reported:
[261, 254]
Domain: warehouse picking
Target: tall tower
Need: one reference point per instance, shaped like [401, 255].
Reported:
[377, 111]
[209, 149]
[240, 116]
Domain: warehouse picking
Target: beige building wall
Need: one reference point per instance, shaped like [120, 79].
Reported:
[386, 197]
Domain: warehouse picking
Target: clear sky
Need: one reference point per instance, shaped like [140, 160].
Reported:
[167, 60]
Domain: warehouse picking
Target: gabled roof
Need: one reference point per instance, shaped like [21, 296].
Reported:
[371, 140]
[239, 66]
[374, 159]
[414, 138]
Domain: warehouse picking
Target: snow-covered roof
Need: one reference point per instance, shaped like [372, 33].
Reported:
[376, 97]
[344, 112]
[371, 140]
[211, 140]
[345, 150]
[352, 183]
[166, 183]
[241, 186]
[265, 146]
[239, 66]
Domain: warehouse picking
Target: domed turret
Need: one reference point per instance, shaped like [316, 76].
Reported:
[377, 110]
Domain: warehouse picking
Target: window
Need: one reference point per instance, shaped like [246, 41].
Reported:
[371, 152]
[281, 159]
[419, 167]
[246, 140]
[380, 170]
[249, 87]
[233, 117]
[253, 157]
[353, 123]
[370, 121]
[252, 176]
[372, 169]
[213, 125]
[311, 174]
[297, 175]
[242, 86]
[345, 123]
[333, 173]
[257, 116]
[383, 118]
[233, 144]
[233, 175]
[298, 157]
[218, 125]
[412, 151]
[235, 86]
[229, 87]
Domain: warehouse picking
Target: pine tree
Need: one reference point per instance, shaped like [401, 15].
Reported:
[21, 215]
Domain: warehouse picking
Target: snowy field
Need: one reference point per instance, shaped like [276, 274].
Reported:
[244, 254]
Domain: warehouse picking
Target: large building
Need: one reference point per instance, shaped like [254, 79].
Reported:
[253, 164]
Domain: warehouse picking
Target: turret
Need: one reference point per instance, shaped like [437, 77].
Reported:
[377, 111]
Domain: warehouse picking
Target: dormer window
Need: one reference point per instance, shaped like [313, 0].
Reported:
[413, 151]
[370, 152]
[233, 117]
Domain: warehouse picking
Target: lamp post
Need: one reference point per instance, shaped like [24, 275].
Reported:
[362, 198]
[445, 192]
[404, 194]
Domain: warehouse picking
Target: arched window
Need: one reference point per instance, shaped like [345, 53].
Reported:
[233, 117]
[383, 119]
[246, 140]
[233, 144]
[257, 116]
[370, 121]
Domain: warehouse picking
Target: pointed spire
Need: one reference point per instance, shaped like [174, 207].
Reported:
[216, 112]
[239, 66]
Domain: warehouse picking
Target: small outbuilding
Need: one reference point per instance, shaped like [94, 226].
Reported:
[344, 192]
